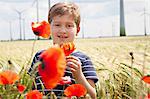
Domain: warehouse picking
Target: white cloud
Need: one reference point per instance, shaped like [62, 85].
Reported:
[90, 10]
[134, 24]
[133, 7]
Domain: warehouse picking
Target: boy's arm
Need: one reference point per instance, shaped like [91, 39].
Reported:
[89, 84]
[76, 68]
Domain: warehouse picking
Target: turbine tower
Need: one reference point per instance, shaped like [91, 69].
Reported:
[122, 23]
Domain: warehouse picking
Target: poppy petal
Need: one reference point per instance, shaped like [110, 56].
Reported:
[75, 90]
[53, 62]
[34, 94]
[21, 88]
[146, 79]
[68, 48]
[41, 29]
[8, 77]
[147, 97]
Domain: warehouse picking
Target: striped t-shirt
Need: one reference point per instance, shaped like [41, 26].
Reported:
[87, 69]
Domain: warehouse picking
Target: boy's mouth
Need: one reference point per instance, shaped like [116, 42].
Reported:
[62, 37]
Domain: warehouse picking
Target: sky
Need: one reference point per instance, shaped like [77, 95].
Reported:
[99, 18]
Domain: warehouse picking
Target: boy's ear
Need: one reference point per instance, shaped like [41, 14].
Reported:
[78, 30]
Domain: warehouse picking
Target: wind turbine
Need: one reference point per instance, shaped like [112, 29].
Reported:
[122, 23]
[20, 18]
[49, 4]
[37, 10]
[10, 30]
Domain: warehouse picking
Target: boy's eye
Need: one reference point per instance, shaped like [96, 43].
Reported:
[69, 25]
[56, 24]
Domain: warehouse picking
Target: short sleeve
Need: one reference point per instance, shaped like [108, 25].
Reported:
[89, 70]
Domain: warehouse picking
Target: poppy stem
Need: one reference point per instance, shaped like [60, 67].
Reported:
[53, 96]
[32, 53]
[143, 69]
[132, 61]
[35, 67]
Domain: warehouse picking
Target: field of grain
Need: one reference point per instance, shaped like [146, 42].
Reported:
[119, 71]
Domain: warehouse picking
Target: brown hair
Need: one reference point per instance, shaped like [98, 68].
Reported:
[65, 8]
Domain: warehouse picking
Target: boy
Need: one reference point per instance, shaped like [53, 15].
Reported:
[64, 19]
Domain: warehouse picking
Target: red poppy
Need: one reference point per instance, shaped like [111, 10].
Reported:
[8, 77]
[41, 29]
[75, 90]
[52, 67]
[146, 79]
[21, 87]
[68, 48]
[34, 94]
[147, 97]
[65, 80]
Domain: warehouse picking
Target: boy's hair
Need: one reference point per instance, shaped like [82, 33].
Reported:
[65, 8]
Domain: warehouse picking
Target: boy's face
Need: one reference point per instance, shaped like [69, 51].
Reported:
[63, 29]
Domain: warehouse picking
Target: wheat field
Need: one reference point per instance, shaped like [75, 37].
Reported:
[119, 72]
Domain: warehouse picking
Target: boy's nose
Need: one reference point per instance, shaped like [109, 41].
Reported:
[63, 31]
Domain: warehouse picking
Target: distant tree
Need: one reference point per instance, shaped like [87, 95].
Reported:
[122, 23]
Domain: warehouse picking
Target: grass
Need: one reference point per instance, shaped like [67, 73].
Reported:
[119, 72]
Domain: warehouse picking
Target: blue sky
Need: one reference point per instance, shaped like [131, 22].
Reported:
[99, 17]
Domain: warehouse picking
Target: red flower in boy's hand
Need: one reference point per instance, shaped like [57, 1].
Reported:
[53, 66]
[146, 79]
[41, 29]
[8, 77]
[68, 48]
[75, 90]
[34, 94]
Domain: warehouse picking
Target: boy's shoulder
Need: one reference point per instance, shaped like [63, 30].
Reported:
[39, 53]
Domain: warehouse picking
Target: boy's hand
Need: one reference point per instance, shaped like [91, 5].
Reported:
[75, 65]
